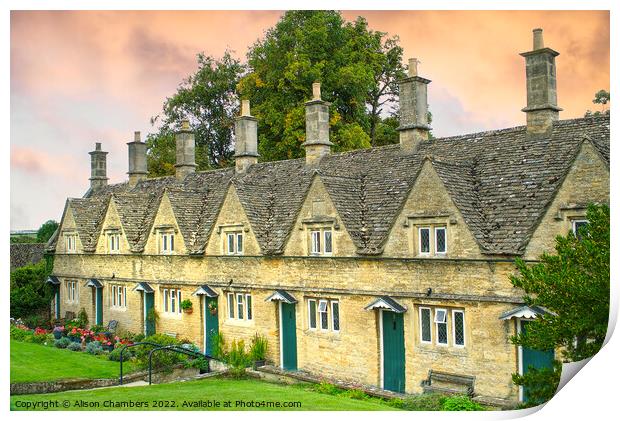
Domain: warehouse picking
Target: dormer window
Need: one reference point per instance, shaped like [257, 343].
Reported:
[114, 239]
[71, 243]
[234, 243]
[432, 240]
[321, 242]
[166, 242]
[579, 226]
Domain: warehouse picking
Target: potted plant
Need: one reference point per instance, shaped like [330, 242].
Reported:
[212, 306]
[58, 332]
[187, 306]
[258, 350]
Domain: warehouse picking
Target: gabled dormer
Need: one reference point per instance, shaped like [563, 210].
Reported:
[68, 239]
[430, 225]
[232, 234]
[319, 229]
[165, 236]
[112, 238]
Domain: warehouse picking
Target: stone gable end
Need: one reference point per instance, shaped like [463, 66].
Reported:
[68, 225]
[164, 218]
[318, 210]
[587, 181]
[111, 221]
[429, 204]
[232, 218]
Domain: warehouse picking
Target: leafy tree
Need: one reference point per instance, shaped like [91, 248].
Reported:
[29, 293]
[574, 285]
[46, 231]
[208, 100]
[357, 68]
[602, 97]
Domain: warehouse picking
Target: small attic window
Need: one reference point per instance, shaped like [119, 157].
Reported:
[579, 227]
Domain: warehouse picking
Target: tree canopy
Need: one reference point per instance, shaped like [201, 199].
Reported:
[358, 69]
[573, 285]
[601, 98]
[46, 231]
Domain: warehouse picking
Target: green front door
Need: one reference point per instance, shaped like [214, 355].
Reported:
[393, 351]
[98, 306]
[211, 325]
[288, 336]
[149, 322]
[533, 358]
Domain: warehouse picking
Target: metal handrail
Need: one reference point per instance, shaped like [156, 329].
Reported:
[130, 346]
[174, 348]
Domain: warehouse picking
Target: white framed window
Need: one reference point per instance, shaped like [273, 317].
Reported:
[424, 243]
[441, 324]
[577, 224]
[71, 243]
[171, 300]
[114, 239]
[335, 316]
[118, 296]
[240, 306]
[231, 305]
[323, 314]
[312, 314]
[72, 291]
[441, 242]
[234, 243]
[248, 306]
[426, 327]
[458, 328]
[166, 242]
[315, 238]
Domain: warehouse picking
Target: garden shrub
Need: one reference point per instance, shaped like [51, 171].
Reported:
[355, 394]
[94, 348]
[460, 403]
[74, 346]
[327, 388]
[238, 359]
[161, 359]
[424, 402]
[34, 321]
[62, 342]
[258, 350]
[138, 338]
[19, 334]
[82, 318]
[30, 296]
[218, 347]
[115, 355]
[97, 328]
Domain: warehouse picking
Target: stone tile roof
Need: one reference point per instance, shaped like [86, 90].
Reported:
[137, 212]
[23, 254]
[89, 214]
[501, 181]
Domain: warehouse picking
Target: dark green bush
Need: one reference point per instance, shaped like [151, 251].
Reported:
[425, 402]
[30, 296]
[327, 388]
[94, 348]
[62, 342]
[115, 354]
[20, 334]
[238, 359]
[355, 394]
[258, 349]
[74, 346]
[161, 359]
[218, 347]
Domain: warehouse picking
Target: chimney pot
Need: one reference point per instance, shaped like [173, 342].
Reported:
[538, 39]
[97, 146]
[413, 67]
[136, 137]
[98, 171]
[245, 107]
[185, 124]
[185, 151]
[137, 160]
[413, 101]
[316, 91]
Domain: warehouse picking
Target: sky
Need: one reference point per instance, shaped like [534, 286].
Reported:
[80, 77]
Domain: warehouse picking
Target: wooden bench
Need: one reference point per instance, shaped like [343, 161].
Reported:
[449, 383]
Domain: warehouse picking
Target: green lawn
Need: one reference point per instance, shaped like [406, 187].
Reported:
[36, 363]
[172, 396]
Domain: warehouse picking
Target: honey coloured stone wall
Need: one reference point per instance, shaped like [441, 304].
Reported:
[586, 182]
[68, 226]
[112, 222]
[164, 219]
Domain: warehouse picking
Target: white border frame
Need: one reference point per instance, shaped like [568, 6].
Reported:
[381, 374]
[228, 295]
[454, 329]
[331, 305]
[430, 316]
[575, 221]
[320, 320]
[237, 302]
[437, 327]
[331, 233]
[281, 335]
[315, 314]
[248, 308]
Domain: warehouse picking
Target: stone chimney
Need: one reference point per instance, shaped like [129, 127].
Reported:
[246, 143]
[317, 142]
[137, 160]
[98, 172]
[186, 151]
[542, 101]
[413, 100]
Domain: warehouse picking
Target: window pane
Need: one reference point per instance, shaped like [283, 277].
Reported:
[440, 240]
[239, 243]
[312, 313]
[324, 324]
[425, 242]
[179, 301]
[579, 228]
[240, 306]
[231, 243]
[459, 328]
[322, 306]
[248, 304]
[164, 240]
[440, 316]
[316, 242]
[231, 306]
[173, 300]
[171, 242]
[442, 333]
[335, 316]
[165, 300]
[124, 296]
[120, 296]
[328, 241]
[425, 324]
[114, 295]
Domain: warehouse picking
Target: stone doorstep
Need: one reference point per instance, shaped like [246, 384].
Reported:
[305, 377]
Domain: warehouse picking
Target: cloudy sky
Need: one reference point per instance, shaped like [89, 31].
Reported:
[83, 77]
